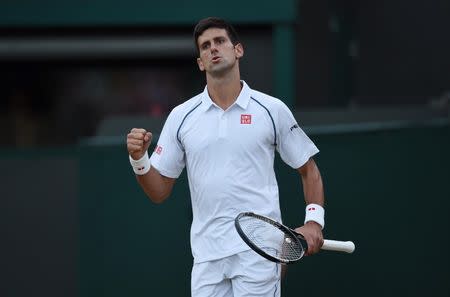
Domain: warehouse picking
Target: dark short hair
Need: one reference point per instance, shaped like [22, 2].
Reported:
[214, 22]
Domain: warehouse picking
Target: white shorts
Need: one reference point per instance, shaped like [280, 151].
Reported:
[242, 275]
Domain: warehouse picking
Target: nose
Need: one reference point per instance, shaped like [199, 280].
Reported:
[213, 47]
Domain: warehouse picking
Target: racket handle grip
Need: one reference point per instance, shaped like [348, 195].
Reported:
[338, 246]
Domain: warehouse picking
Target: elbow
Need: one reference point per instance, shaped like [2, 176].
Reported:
[157, 198]
[156, 187]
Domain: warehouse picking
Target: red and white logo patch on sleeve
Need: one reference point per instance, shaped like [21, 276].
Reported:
[158, 149]
[246, 119]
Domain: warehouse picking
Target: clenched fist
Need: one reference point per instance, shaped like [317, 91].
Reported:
[138, 141]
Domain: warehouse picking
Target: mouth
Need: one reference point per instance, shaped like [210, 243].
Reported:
[215, 59]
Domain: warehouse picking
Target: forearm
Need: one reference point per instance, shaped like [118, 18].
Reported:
[156, 186]
[312, 183]
[314, 216]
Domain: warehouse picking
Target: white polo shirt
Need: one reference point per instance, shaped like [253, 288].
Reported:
[229, 158]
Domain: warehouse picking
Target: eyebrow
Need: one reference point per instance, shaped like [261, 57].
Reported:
[215, 39]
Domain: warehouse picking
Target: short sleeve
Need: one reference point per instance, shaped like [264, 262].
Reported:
[294, 146]
[168, 156]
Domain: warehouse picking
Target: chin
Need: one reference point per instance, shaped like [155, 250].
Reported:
[219, 69]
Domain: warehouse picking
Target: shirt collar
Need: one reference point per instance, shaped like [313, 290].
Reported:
[244, 96]
[242, 100]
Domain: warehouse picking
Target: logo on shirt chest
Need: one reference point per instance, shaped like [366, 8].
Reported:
[246, 119]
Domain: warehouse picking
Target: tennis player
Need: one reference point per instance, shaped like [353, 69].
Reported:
[226, 137]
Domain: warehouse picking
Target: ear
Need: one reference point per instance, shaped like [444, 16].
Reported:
[239, 50]
[200, 64]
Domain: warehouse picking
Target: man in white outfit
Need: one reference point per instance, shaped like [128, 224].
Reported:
[226, 137]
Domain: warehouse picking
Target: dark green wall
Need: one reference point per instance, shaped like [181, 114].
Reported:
[39, 222]
[386, 190]
[51, 13]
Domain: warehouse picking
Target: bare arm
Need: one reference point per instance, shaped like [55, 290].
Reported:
[156, 186]
[312, 183]
[313, 192]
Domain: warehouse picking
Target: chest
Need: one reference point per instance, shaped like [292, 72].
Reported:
[237, 131]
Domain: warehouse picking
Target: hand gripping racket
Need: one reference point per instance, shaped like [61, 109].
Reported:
[277, 242]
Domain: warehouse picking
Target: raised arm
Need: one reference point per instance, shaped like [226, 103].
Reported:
[156, 186]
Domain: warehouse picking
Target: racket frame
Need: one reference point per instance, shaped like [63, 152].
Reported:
[294, 235]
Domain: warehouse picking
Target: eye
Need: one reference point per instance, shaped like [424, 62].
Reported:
[204, 46]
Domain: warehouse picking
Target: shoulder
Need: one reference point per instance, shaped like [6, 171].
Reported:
[271, 103]
[181, 110]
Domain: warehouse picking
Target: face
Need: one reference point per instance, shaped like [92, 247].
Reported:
[217, 52]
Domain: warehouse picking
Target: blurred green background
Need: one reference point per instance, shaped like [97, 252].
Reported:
[369, 82]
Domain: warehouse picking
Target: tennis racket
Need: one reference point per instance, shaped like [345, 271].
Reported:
[278, 243]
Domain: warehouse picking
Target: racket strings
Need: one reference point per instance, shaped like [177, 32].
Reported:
[272, 240]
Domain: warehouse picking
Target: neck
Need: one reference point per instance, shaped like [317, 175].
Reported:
[224, 91]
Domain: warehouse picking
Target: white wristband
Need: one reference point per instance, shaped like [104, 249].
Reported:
[141, 166]
[316, 213]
